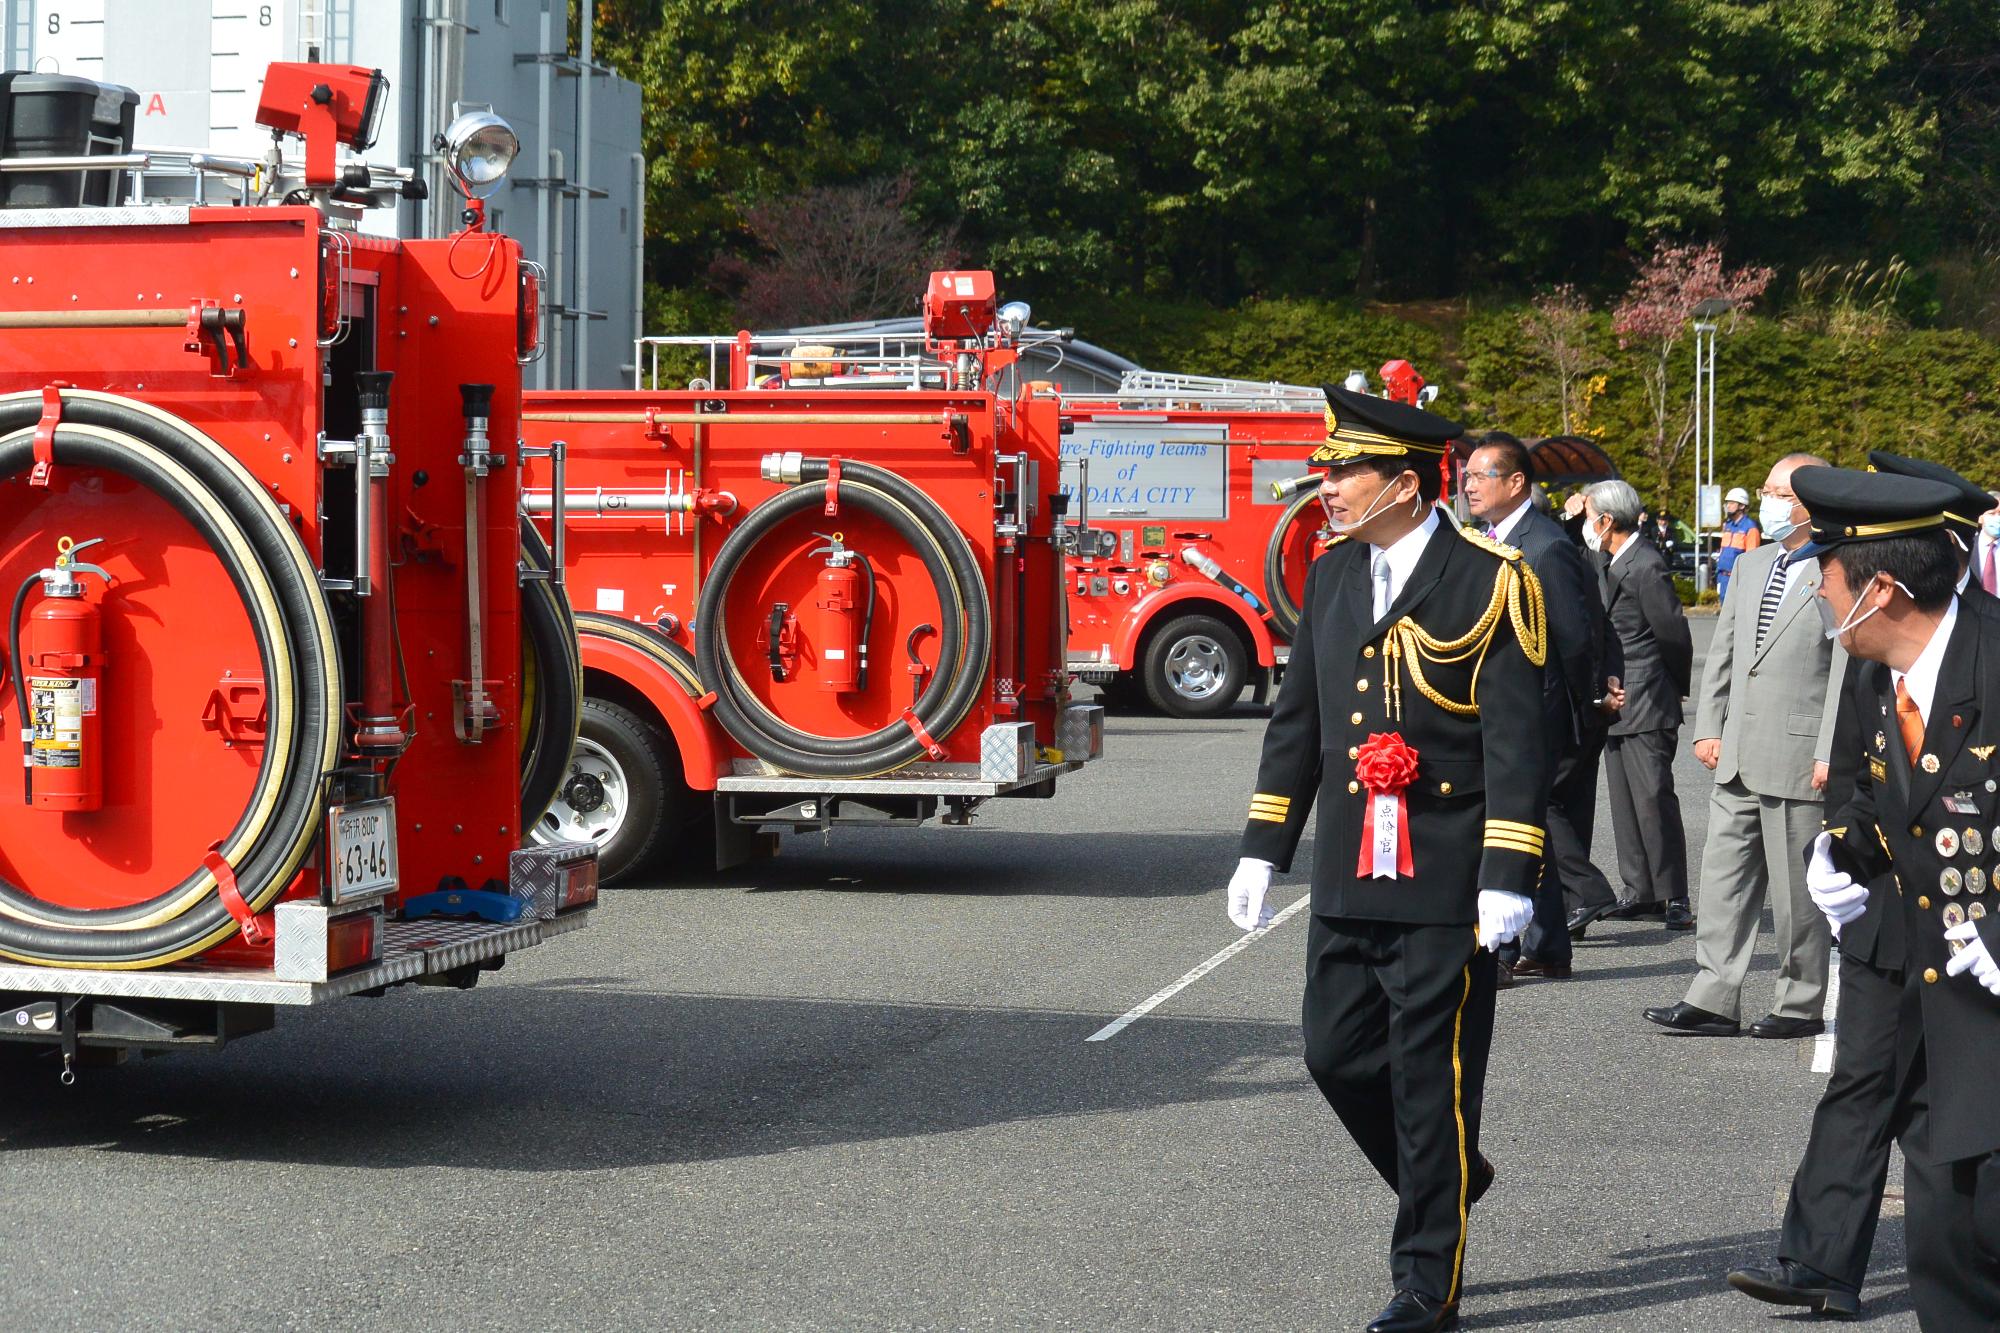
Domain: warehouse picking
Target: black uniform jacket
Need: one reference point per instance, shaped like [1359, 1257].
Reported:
[1924, 825]
[1876, 936]
[1476, 806]
[1578, 629]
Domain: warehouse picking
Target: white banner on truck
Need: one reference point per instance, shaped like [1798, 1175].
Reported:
[1152, 469]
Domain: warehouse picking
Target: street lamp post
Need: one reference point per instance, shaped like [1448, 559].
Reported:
[1706, 313]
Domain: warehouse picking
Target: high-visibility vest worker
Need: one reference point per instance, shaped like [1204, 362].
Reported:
[1740, 533]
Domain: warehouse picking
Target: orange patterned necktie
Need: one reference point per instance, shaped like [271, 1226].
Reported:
[1911, 721]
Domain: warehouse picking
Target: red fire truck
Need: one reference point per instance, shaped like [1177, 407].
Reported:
[1196, 516]
[291, 677]
[828, 595]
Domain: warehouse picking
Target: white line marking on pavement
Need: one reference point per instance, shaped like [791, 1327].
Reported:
[1823, 1043]
[1158, 998]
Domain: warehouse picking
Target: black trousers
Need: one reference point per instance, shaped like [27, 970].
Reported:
[1837, 1190]
[1570, 878]
[1646, 815]
[1951, 1220]
[1398, 1025]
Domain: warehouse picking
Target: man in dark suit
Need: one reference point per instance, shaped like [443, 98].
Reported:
[1836, 1195]
[1657, 654]
[1499, 490]
[1922, 809]
[1412, 715]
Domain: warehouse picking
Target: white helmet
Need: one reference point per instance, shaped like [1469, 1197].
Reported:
[1737, 495]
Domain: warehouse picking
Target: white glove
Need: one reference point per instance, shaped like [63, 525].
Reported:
[1502, 916]
[1248, 888]
[1833, 890]
[1974, 957]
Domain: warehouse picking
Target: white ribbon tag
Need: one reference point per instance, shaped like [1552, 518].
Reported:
[1386, 836]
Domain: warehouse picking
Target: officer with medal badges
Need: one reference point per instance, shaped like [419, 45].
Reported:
[1411, 715]
[1836, 1195]
[1923, 811]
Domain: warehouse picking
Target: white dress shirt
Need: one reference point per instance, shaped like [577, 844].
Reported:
[1922, 677]
[1500, 530]
[1402, 557]
[1631, 540]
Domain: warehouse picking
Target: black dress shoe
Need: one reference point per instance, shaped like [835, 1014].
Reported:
[1679, 915]
[1480, 1180]
[1795, 1284]
[1580, 919]
[1684, 1017]
[1535, 967]
[1503, 975]
[1786, 1029]
[1414, 1312]
[1632, 911]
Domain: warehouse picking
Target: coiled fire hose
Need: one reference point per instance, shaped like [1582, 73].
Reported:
[1285, 612]
[273, 573]
[963, 651]
[551, 682]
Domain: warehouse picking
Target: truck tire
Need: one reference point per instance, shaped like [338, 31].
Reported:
[1195, 667]
[622, 780]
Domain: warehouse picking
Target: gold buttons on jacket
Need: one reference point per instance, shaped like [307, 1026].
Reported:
[1916, 830]
[1362, 684]
[1444, 789]
[1369, 651]
[1353, 752]
[1923, 903]
[1930, 976]
[1353, 789]
[1356, 719]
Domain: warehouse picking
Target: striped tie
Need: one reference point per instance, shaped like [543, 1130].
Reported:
[1774, 593]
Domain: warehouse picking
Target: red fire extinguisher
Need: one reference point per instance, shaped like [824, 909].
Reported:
[845, 596]
[58, 676]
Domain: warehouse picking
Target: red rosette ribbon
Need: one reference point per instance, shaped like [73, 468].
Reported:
[1385, 767]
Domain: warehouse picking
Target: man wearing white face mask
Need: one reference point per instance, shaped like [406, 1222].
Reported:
[1658, 655]
[1411, 715]
[1764, 726]
[1923, 810]
[1985, 557]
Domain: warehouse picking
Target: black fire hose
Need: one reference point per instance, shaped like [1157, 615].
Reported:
[274, 575]
[1285, 612]
[552, 675]
[963, 651]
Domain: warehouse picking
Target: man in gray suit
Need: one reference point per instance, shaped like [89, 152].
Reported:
[1658, 655]
[1764, 724]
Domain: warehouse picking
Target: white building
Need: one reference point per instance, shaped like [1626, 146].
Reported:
[575, 197]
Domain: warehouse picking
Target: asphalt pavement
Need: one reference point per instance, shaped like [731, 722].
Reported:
[851, 1088]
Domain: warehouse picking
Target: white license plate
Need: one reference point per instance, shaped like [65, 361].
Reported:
[361, 850]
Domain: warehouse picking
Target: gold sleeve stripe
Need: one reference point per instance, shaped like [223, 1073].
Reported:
[1509, 835]
[1267, 816]
[1512, 826]
[1496, 845]
[1266, 798]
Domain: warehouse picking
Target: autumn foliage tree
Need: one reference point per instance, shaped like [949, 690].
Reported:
[1656, 316]
[1559, 327]
[833, 253]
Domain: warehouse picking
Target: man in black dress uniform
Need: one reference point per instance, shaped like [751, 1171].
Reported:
[1924, 810]
[1412, 709]
[1836, 1195]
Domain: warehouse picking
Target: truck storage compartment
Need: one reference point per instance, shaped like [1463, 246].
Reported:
[56, 115]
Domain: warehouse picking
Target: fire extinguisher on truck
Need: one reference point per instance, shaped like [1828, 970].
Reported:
[58, 667]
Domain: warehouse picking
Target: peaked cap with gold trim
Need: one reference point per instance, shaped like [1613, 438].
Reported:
[1848, 506]
[1359, 425]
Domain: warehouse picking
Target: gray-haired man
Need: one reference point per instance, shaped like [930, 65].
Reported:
[1645, 614]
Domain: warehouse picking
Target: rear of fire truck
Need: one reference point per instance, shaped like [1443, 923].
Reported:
[818, 587]
[289, 676]
[1195, 517]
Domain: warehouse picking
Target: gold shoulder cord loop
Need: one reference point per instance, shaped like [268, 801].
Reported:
[1517, 591]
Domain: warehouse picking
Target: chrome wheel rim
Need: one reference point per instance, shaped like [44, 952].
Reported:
[591, 803]
[1197, 667]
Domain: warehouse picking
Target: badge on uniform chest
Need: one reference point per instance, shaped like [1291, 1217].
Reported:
[1385, 767]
